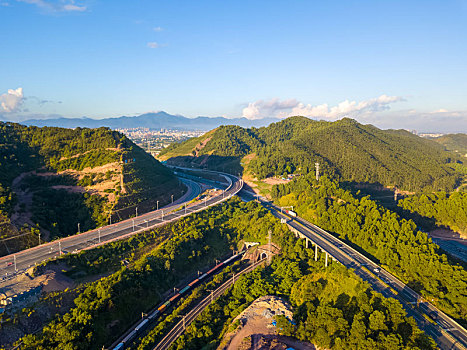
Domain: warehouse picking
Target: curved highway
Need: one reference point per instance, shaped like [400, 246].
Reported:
[19, 262]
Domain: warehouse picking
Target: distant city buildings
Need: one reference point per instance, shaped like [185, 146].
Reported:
[153, 141]
[429, 135]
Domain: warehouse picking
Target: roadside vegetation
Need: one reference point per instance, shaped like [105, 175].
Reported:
[447, 209]
[393, 242]
[333, 308]
[107, 307]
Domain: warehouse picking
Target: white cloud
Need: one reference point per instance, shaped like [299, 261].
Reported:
[157, 29]
[71, 7]
[272, 108]
[11, 101]
[153, 45]
[57, 6]
[280, 109]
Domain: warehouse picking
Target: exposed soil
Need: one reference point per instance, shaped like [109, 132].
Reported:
[447, 234]
[256, 330]
[201, 145]
[51, 280]
[275, 181]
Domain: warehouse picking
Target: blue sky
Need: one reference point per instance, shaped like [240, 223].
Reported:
[392, 63]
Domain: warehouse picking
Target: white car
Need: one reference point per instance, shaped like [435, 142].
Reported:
[376, 270]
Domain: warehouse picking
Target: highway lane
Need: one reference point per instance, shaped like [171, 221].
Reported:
[123, 229]
[445, 331]
[180, 327]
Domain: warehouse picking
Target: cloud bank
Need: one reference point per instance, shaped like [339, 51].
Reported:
[376, 111]
[11, 101]
[281, 109]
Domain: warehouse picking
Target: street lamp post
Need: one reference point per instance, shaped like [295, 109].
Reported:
[99, 235]
[172, 199]
[157, 205]
[136, 211]
[79, 231]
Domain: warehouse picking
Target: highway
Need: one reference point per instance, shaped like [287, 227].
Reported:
[447, 333]
[180, 327]
[443, 329]
[19, 262]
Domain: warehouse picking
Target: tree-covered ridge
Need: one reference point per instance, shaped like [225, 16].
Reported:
[333, 308]
[453, 142]
[393, 242]
[72, 159]
[345, 148]
[448, 209]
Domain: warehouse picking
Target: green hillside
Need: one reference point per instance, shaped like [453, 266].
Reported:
[53, 179]
[345, 149]
[453, 142]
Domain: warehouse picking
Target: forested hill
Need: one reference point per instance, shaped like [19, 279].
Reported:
[344, 148]
[53, 178]
[453, 142]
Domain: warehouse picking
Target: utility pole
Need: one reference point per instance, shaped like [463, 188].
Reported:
[14, 259]
[157, 205]
[172, 199]
[136, 211]
[269, 247]
[317, 171]
[79, 231]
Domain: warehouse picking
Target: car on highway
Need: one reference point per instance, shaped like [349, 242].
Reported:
[376, 270]
[9, 264]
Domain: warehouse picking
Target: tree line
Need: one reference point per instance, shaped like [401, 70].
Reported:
[381, 234]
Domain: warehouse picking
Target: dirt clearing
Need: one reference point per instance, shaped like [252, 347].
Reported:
[256, 329]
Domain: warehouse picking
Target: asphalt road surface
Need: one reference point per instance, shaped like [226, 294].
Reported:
[19, 262]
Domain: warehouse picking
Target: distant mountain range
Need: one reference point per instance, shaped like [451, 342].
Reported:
[159, 120]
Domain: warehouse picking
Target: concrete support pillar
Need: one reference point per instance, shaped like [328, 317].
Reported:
[307, 242]
[326, 262]
[316, 252]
